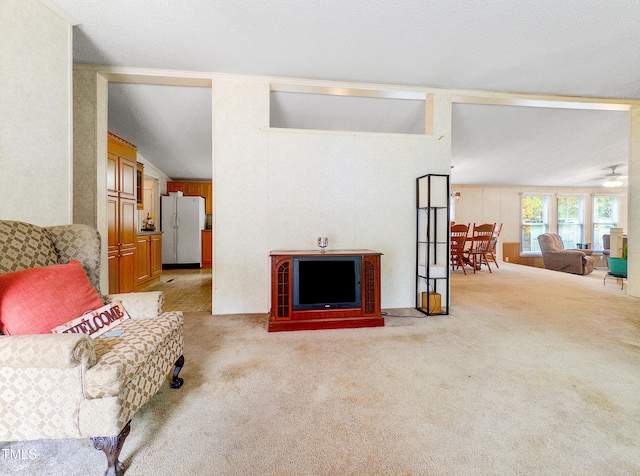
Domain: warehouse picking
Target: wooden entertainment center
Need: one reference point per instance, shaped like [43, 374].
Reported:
[284, 317]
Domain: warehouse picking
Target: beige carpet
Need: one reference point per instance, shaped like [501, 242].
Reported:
[533, 372]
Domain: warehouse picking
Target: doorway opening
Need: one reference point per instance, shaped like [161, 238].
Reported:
[163, 117]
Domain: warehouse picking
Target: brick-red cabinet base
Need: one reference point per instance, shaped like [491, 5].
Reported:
[284, 318]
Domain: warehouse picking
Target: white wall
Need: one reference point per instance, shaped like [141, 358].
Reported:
[634, 211]
[281, 189]
[35, 108]
[493, 204]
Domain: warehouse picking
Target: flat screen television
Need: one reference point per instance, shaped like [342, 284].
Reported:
[326, 282]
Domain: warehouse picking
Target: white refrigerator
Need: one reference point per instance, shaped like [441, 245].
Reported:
[182, 222]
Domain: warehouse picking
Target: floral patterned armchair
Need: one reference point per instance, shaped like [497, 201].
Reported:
[71, 385]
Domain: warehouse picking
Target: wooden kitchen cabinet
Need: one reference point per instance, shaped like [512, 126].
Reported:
[121, 214]
[208, 198]
[156, 256]
[113, 248]
[121, 176]
[175, 187]
[112, 174]
[143, 260]
[121, 244]
[148, 259]
[127, 175]
[121, 167]
[194, 189]
[140, 185]
[207, 255]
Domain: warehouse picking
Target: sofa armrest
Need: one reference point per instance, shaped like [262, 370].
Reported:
[140, 305]
[585, 251]
[42, 388]
[567, 260]
[61, 351]
[572, 252]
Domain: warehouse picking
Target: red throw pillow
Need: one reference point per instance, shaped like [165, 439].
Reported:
[34, 301]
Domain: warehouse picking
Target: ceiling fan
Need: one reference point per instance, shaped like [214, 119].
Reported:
[614, 179]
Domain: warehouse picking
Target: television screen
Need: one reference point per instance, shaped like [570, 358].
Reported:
[326, 282]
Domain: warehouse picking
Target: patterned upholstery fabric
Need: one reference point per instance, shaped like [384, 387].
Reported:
[80, 242]
[40, 395]
[24, 246]
[140, 305]
[47, 400]
[111, 413]
[70, 385]
[119, 359]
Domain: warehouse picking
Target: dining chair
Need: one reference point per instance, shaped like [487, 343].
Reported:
[459, 233]
[491, 255]
[480, 239]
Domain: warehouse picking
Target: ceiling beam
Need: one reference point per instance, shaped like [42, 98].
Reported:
[531, 100]
[342, 88]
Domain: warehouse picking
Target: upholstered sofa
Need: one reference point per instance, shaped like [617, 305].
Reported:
[555, 257]
[71, 385]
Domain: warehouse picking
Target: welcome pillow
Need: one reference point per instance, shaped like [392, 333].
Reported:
[95, 323]
[34, 301]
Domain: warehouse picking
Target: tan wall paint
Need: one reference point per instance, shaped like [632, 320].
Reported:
[90, 92]
[35, 137]
[85, 145]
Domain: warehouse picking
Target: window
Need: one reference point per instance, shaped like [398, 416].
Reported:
[605, 217]
[535, 221]
[570, 220]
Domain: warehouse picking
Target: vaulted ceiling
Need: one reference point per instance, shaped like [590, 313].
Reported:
[572, 47]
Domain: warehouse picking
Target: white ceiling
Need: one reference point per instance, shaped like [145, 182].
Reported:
[170, 125]
[571, 47]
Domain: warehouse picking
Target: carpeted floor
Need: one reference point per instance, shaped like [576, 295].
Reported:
[533, 372]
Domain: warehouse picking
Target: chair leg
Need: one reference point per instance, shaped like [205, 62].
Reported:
[112, 445]
[486, 262]
[176, 382]
[457, 261]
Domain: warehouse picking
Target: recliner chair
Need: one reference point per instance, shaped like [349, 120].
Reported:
[556, 258]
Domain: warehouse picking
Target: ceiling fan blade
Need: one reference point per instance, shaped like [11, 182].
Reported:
[618, 176]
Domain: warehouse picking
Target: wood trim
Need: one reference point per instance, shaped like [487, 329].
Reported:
[118, 138]
[316, 324]
[121, 147]
[511, 254]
